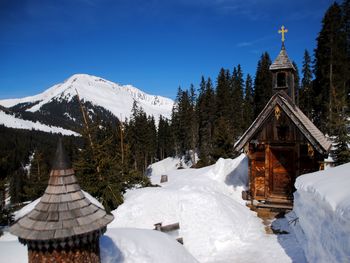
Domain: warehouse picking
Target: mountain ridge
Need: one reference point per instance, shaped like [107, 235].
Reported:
[116, 98]
[103, 100]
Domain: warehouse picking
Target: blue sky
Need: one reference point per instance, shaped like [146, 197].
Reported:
[152, 44]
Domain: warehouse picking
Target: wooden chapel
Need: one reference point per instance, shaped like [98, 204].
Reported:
[281, 143]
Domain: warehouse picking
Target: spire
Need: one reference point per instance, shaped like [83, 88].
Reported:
[61, 160]
[64, 213]
[282, 61]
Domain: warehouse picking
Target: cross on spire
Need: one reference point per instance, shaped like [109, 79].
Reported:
[282, 31]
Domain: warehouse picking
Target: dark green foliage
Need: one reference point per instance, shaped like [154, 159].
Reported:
[330, 68]
[99, 165]
[248, 103]
[331, 85]
[296, 83]
[62, 113]
[141, 137]
[184, 123]
[237, 103]
[165, 140]
[262, 84]
[305, 92]
[206, 116]
[341, 153]
[346, 17]
[38, 175]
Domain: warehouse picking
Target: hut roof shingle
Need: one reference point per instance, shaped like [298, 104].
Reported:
[63, 210]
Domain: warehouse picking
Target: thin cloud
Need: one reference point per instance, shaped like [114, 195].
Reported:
[254, 42]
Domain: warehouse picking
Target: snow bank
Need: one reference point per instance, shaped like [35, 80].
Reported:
[11, 250]
[322, 204]
[125, 245]
[13, 122]
[140, 245]
[215, 224]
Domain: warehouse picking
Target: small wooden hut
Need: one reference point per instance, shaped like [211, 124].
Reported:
[64, 226]
[281, 143]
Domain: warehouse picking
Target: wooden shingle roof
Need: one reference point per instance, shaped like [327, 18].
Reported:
[63, 211]
[282, 61]
[306, 127]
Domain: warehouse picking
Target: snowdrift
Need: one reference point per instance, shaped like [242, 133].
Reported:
[215, 224]
[322, 204]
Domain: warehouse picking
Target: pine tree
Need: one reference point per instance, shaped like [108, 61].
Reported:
[37, 177]
[262, 84]
[346, 19]
[305, 92]
[99, 165]
[224, 95]
[206, 114]
[237, 103]
[330, 69]
[248, 103]
[164, 139]
[296, 83]
[331, 80]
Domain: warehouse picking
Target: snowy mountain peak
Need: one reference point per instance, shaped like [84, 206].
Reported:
[114, 97]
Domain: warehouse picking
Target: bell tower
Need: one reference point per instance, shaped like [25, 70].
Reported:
[283, 71]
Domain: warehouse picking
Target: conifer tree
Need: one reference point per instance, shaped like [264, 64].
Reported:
[37, 177]
[346, 18]
[224, 95]
[305, 92]
[330, 68]
[262, 83]
[237, 103]
[248, 103]
[331, 80]
[99, 166]
[296, 83]
[206, 114]
[164, 139]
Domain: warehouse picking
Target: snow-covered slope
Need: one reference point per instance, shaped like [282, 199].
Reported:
[215, 224]
[13, 122]
[116, 245]
[116, 98]
[322, 206]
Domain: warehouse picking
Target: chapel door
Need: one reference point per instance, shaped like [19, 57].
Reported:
[282, 173]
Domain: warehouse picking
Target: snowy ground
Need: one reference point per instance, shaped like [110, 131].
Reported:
[215, 224]
[322, 206]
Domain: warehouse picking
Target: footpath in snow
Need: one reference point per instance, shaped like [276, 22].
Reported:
[215, 224]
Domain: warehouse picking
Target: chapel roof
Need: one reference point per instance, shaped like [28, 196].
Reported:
[301, 121]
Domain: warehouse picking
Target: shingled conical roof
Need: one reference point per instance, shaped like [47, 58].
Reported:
[282, 61]
[64, 215]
